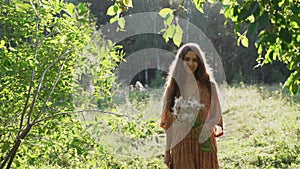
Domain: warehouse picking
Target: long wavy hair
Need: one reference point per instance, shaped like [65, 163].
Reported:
[177, 74]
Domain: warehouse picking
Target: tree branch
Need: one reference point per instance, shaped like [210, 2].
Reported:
[52, 116]
[32, 72]
[52, 89]
[105, 112]
[68, 113]
[40, 84]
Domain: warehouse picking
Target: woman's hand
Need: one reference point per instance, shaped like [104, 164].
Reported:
[218, 131]
[168, 158]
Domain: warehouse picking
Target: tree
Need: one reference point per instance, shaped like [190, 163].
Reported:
[277, 24]
[41, 43]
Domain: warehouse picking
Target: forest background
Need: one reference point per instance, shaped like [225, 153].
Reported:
[44, 48]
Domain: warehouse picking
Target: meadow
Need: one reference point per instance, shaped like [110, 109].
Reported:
[262, 129]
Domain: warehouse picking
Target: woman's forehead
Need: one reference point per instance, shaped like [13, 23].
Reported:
[190, 54]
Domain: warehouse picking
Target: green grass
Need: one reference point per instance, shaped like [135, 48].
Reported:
[262, 128]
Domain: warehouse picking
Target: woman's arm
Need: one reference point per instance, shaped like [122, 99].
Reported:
[216, 112]
[166, 123]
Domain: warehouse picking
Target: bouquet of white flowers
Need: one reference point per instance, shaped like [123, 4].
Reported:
[186, 109]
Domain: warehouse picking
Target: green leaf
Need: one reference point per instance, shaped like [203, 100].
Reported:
[165, 11]
[245, 41]
[291, 65]
[128, 3]
[281, 3]
[2, 43]
[112, 20]
[298, 38]
[83, 20]
[82, 8]
[177, 39]
[199, 5]
[112, 10]
[294, 88]
[121, 23]
[260, 49]
[179, 29]
[288, 82]
[292, 82]
[70, 8]
[171, 31]
[115, 56]
[166, 38]
[251, 19]
[168, 20]
[269, 55]
[23, 7]
[294, 25]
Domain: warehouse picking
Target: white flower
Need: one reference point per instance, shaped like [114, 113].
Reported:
[186, 109]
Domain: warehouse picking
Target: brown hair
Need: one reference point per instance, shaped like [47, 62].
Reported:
[177, 74]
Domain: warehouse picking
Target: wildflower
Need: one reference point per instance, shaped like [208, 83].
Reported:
[186, 109]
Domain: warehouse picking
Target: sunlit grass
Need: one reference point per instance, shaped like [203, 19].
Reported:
[262, 130]
[261, 127]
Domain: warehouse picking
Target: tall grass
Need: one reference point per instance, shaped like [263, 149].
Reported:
[262, 128]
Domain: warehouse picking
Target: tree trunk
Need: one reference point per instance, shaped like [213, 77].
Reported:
[12, 153]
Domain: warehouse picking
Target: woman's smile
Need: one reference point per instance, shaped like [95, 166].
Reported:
[191, 60]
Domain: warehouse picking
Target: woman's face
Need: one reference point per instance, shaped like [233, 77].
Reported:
[191, 60]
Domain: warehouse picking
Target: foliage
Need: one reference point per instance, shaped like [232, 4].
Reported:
[263, 121]
[94, 73]
[172, 29]
[274, 24]
[278, 25]
[129, 131]
[41, 42]
[41, 48]
[115, 11]
[267, 136]
[62, 143]
[238, 61]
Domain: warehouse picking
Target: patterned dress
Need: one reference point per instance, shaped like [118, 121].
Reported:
[186, 150]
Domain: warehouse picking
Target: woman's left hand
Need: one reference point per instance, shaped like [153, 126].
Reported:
[218, 131]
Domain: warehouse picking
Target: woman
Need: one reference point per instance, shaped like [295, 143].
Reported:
[191, 144]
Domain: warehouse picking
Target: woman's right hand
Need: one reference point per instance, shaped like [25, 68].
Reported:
[168, 158]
